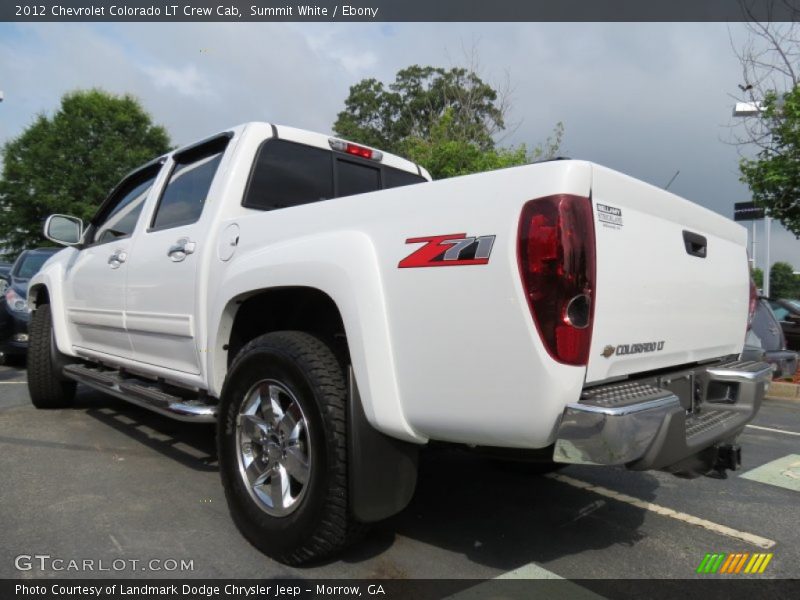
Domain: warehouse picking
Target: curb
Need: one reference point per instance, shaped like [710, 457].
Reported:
[779, 390]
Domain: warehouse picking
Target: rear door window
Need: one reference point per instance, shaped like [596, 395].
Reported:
[185, 194]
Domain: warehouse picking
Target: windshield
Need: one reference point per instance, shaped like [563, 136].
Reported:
[794, 304]
[30, 265]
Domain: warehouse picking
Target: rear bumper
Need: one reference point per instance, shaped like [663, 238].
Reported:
[659, 421]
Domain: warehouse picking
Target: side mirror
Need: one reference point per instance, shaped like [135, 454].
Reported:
[63, 229]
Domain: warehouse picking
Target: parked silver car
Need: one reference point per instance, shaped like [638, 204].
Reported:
[766, 341]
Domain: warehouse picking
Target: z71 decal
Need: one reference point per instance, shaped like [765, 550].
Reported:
[449, 251]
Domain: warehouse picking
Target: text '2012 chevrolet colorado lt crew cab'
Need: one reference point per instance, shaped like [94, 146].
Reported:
[334, 311]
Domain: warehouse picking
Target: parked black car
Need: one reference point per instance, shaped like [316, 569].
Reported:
[788, 313]
[5, 269]
[14, 315]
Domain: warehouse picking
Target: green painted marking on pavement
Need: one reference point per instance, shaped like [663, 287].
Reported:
[711, 562]
[783, 472]
[718, 564]
[702, 566]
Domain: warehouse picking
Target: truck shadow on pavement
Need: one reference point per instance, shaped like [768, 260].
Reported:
[190, 444]
[498, 517]
[503, 517]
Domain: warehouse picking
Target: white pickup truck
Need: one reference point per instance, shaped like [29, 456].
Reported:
[334, 311]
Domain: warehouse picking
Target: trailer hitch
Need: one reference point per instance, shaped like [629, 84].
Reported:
[729, 458]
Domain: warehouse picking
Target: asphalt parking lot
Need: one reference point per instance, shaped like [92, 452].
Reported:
[107, 480]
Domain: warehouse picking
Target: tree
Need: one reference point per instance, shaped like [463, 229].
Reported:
[782, 281]
[415, 103]
[758, 277]
[445, 119]
[774, 175]
[770, 60]
[68, 163]
[445, 155]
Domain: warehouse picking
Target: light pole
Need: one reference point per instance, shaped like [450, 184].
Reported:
[749, 109]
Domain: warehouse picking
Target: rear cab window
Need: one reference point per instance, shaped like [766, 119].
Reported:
[286, 174]
[356, 178]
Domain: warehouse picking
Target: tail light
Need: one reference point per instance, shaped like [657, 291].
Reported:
[753, 303]
[556, 254]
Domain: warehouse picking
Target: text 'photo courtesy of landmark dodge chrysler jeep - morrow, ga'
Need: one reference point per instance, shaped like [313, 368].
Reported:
[334, 311]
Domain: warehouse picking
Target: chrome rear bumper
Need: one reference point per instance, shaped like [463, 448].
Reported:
[655, 422]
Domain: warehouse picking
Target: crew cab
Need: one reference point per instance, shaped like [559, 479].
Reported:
[334, 311]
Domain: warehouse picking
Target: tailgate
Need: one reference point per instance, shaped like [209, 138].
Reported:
[672, 280]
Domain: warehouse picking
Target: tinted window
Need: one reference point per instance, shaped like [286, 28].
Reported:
[288, 174]
[780, 313]
[30, 265]
[183, 198]
[397, 178]
[123, 211]
[355, 178]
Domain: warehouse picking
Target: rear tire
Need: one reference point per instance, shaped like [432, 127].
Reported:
[47, 385]
[282, 441]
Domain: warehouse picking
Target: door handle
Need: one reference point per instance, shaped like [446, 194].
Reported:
[180, 249]
[116, 259]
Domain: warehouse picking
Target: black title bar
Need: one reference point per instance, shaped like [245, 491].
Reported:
[399, 10]
[735, 588]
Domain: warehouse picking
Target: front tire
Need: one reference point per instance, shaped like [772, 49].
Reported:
[282, 441]
[47, 385]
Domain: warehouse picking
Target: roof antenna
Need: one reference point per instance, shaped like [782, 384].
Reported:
[678, 172]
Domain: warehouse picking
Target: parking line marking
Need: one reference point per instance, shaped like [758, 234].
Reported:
[10, 382]
[783, 472]
[559, 588]
[773, 429]
[750, 538]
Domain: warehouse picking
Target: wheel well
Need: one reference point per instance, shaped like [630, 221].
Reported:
[39, 295]
[295, 308]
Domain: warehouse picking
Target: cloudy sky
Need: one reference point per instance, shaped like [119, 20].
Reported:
[646, 99]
